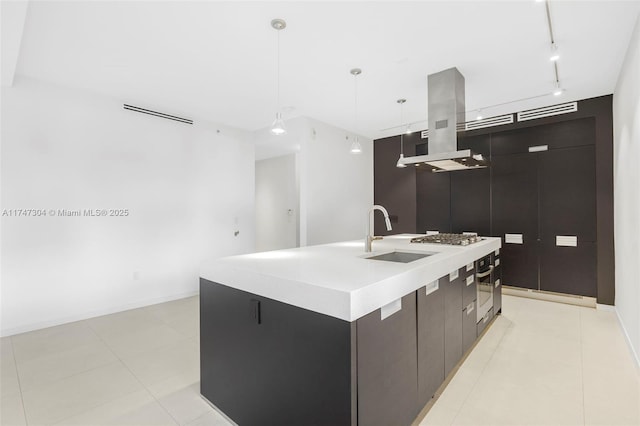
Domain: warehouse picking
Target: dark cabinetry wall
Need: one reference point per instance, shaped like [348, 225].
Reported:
[393, 188]
[566, 190]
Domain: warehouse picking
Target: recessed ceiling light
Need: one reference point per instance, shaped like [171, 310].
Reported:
[555, 53]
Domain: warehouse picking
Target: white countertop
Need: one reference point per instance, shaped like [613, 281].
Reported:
[336, 279]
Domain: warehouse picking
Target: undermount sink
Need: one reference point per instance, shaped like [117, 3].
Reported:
[399, 256]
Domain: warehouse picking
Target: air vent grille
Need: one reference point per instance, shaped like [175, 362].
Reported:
[489, 122]
[157, 114]
[549, 111]
[424, 134]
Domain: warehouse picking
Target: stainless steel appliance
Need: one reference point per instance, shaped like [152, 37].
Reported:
[452, 239]
[484, 270]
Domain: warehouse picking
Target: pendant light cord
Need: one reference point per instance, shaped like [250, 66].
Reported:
[401, 134]
[355, 106]
[278, 75]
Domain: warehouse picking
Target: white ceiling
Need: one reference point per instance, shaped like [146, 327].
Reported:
[216, 60]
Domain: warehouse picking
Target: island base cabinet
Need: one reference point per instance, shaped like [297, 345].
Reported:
[430, 340]
[387, 366]
[452, 321]
[264, 362]
[469, 326]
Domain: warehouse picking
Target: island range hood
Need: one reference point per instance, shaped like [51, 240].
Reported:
[446, 112]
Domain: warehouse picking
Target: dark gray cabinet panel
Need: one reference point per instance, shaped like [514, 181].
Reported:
[452, 322]
[290, 365]
[568, 193]
[388, 367]
[471, 191]
[569, 270]
[433, 197]
[515, 211]
[469, 321]
[469, 291]
[430, 341]
[557, 135]
[394, 188]
[497, 284]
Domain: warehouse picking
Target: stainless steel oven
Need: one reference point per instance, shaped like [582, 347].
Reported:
[484, 270]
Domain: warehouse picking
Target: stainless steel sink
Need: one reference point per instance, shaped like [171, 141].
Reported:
[400, 256]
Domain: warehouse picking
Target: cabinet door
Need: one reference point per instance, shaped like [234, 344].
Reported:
[469, 287]
[497, 283]
[430, 339]
[264, 362]
[433, 201]
[515, 211]
[570, 270]
[568, 193]
[387, 367]
[469, 329]
[452, 321]
[394, 188]
[471, 191]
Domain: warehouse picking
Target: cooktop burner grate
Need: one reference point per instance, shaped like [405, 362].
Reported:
[451, 239]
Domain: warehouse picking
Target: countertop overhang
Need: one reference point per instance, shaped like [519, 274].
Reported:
[337, 279]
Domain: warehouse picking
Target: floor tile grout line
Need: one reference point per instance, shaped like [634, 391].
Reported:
[138, 379]
[475, 383]
[15, 365]
[584, 410]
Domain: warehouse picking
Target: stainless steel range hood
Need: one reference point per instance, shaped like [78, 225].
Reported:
[446, 111]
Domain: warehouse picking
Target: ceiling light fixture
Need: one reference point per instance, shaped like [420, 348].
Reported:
[278, 128]
[356, 148]
[479, 116]
[400, 164]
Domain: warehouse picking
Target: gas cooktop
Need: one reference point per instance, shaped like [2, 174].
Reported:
[452, 239]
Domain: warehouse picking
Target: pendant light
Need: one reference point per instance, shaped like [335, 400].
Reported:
[400, 163]
[356, 148]
[278, 127]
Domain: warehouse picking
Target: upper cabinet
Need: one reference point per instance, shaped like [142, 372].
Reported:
[549, 186]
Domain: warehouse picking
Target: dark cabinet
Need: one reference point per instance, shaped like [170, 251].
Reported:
[430, 339]
[469, 330]
[287, 363]
[515, 211]
[387, 367]
[394, 188]
[569, 270]
[471, 191]
[568, 193]
[469, 289]
[452, 320]
[497, 282]
[433, 197]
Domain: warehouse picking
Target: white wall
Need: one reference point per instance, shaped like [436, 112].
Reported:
[187, 188]
[336, 187]
[276, 203]
[626, 125]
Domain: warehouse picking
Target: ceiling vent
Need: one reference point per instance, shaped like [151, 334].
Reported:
[489, 122]
[157, 114]
[478, 124]
[549, 111]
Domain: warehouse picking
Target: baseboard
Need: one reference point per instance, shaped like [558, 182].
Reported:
[86, 315]
[606, 308]
[634, 354]
[589, 302]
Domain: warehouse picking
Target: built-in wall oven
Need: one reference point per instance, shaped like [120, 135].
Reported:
[484, 270]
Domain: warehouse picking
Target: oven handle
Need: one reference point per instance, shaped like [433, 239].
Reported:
[484, 274]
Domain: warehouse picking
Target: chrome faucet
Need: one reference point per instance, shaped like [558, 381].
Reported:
[369, 237]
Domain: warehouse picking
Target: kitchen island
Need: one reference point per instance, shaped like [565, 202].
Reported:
[323, 335]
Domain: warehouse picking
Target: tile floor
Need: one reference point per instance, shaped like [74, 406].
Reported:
[540, 363]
